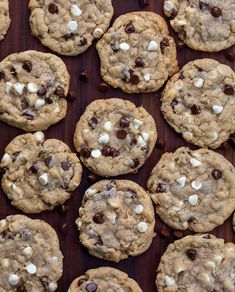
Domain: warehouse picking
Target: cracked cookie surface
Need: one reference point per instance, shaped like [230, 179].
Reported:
[193, 189]
[39, 174]
[116, 220]
[199, 263]
[114, 137]
[4, 18]
[104, 279]
[204, 25]
[199, 101]
[33, 89]
[31, 259]
[137, 54]
[69, 27]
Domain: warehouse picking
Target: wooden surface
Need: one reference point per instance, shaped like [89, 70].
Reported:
[76, 258]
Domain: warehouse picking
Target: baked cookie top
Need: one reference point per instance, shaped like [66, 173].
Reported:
[104, 279]
[204, 25]
[31, 259]
[33, 89]
[199, 263]
[69, 27]
[193, 189]
[4, 18]
[114, 137]
[39, 174]
[199, 101]
[116, 220]
[137, 54]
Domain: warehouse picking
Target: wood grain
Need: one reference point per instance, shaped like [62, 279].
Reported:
[77, 260]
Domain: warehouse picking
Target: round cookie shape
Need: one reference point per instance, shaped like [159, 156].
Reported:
[193, 189]
[68, 27]
[116, 220]
[199, 101]
[31, 259]
[104, 279]
[137, 54]
[33, 89]
[197, 263]
[114, 137]
[204, 25]
[39, 173]
[4, 18]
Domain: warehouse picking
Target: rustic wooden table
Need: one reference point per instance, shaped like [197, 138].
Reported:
[76, 258]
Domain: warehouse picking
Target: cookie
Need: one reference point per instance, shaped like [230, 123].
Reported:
[204, 25]
[114, 137]
[137, 54]
[33, 89]
[69, 27]
[4, 18]
[39, 173]
[193, 189]
[31, 259]
[198, 102]
[197, 263]
[104, 279]
[116, 220]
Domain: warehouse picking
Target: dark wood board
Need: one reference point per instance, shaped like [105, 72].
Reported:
[76, 258]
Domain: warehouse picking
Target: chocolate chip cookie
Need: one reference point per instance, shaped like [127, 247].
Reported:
[39, 173]
[114, 137]
[137, 54]
[199, 101]
[199, 263]
[33, 89]
[104, 279]
[204, 25]
[116, 220]
[31, 259]
[4, 18]
[69, 27]
[193, 189]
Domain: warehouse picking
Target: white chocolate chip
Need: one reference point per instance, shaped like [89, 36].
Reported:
[39, 103]
[181, 22]
[140, 141]
[73, 25]
[217, 109]
[193, 199]
[147, 77]
[139, 209]
[196, 185]
[96, 153]
[13, 279]
[32, 87]
[137, 123]
[5, 263]
[16, 190]
[198, 82]
[145, 136]
[28, 251]
[52, 287]
[8, 87]
[19, 87]
[6, 158]
[195, 163]
[104, 138]
[124, 47]
[31, 268]
[98, 32]
[168, 6]
[169, 281]
[188, 134]
[218, 259]
[112, 217]
[181, 181]
[75, 10]
[43, 179]
[108, 126]
[39, 136]
[214, 137]
[90, 192]
[152, 46]
[142, 227]
[178, 85]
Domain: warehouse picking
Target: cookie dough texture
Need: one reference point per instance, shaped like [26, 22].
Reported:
[31, 259]
[204, 25]
[137, 54]
[116, 220]
[197, 263]
[193, 189]
[104, 279]
[199, 101]
[4, 18]
[114, 137]
[69, 27]
[39, 174]
[33, 89]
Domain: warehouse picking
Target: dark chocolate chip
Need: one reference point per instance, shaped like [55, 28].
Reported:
[160, 143]
[59, 91]
[92, 177]
[134, 79]
[139, 62]
[48, 100]
[42, 91]
[83, 76]
[173, 14]
[99, 218]
[129, 28]
[69, 36]
[13, 72]
[81, 281]
[85, 152]
[191, 254]
[191, 220]
[174, 103]
[66, 165]
[34, 168]
[93, 122]
[216, 173]
[216, 12]
[121, 134]
[2, 75]
[113, 152]
[203, 5]
[163, 44]
[195, 109]
[53, 8]
[143, 3]
[106, 151]
[161, 188]
[135, 163]
[28, 116]
[124, 122]
[83, 41]
[103, 87]
[64, 228]
[228, 89]
[21, 288]
[133, 141]
[27, 66]
[24, 104]
[91, 287]
[47, 160]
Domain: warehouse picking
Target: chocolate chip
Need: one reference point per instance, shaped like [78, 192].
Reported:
[203, 5]
[21, 288]
[163, 44]
[133, 141]
[66, 165]
[93, 122]
[161, 188]
[83, 76]
[135, 163]
[103, 87]
[216, 12]
[228, 89]
[28, 116]
[229, 54]
[7, 235]
[129, 28]
[181, 76]
[34, 168]
[64, 228]
[91, 287]
[92, 177]
[106, 151]
[63, 209]
[124, 122]
[83, 41]
[174, 103]
[85, 152]
[48, 100]
[195, 109]
[2, 75]
[113, 152]
[69, 36]
[24, 104]
[47, 161]
[143, 3]
[81, 281]
[121, 134]
[133, 193]
[178, 233]
[52, 8]
[27, 66]
[59, 91]
[99, 218]
[191, 254]
[134, 79]
[42, 91]
[160, 143]
[13, 72]
[191, 220]
[216, 173]
[139, 62]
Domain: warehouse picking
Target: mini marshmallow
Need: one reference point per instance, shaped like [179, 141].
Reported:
[104, 138]
[39, 103]
[217, 109]
[19, 87]
[98, 32]
[181, 181]
[8, 87]
[139, 209]
[142, 227]
[108, 126]
[96, 153]
[198, 82]
[168, 6]
[39, 136]
[145, 136]
[13, 279]
[169, 281]
[214, 137]
[193, 199]
[124, 47]
[52, 287]
[196, 185]
[147, 77]
[152, 46]
[137, 123]
[43, 179]
[31, 268]
[73, 25]
[6, 158]
[188, 134]
[32, 87]
[75, 10]
[28, 251]
[195, 163]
